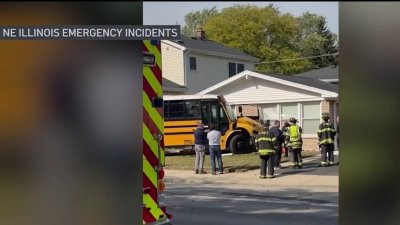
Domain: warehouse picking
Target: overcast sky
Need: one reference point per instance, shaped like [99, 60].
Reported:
[170, 13]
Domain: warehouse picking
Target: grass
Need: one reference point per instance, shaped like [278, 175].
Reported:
[232, 163]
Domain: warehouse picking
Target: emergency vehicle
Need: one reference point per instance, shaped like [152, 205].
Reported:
[154, 211]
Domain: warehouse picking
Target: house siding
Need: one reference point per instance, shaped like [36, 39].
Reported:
[210, 70]
[172, 63]
[253, 90]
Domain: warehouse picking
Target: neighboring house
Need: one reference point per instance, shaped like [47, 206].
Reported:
[171, 88]
[328, 74]
[196, 63]
[280, 97]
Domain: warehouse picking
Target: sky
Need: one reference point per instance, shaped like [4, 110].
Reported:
[171, 13]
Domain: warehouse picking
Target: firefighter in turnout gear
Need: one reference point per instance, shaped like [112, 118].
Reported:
[265, 145]
[295, 144]
[326, 136]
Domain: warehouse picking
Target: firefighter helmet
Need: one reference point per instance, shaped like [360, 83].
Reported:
[325, 116]
[293, 120]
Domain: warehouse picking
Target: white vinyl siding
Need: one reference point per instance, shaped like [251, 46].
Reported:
[172, 63]
[257, 91]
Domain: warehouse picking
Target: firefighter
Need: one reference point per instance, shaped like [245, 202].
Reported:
[295, 144]
[326, 136]
[285, 131]
[265, 142]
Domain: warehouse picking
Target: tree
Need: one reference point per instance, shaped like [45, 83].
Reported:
[195, 20]
[259, 31]
[282, 42]
[315, 39]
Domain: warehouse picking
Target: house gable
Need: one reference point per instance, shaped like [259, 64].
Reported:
[252, 90]
[275, 79]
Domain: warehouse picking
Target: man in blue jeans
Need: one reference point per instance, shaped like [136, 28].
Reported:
[214, 138]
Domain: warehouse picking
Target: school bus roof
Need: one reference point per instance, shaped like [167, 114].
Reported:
[188, 97]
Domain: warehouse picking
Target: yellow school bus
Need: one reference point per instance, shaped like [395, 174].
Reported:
[182, 113]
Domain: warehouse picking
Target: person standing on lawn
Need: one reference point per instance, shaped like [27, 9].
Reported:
[214, 140]
[326, 136]
[265, 142]
[285, 131]
[277, 132]
[295, 143]
[200, 138]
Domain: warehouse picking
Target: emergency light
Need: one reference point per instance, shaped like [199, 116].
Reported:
[149, 59]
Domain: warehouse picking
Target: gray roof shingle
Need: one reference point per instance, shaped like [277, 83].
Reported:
[210, 46]
[330, 72]
[169, 84]
[312, 82]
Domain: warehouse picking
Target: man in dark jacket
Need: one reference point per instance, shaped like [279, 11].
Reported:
[276, 131]
[265, 142]
[200, 138]
[326, 135]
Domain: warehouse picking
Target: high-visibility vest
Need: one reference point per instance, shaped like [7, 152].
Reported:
[294, 137]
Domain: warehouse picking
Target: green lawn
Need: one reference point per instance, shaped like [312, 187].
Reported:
[232, 163]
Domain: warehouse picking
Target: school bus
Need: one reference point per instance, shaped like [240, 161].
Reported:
[182, 113]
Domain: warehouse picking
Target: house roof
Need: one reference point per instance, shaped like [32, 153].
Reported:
[311, 82]
[326, 90]
[207, 46]
[326, 73]
[171, 86]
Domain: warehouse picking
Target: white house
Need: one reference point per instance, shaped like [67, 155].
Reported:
[196, 63]
[280, 97]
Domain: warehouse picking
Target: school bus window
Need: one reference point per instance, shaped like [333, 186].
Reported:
[193, 109]
[214, 111]
[204, 113]
[177, 109]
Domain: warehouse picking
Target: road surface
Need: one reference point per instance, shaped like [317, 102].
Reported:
[308, 196]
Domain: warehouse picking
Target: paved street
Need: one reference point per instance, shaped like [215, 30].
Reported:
[300, 197]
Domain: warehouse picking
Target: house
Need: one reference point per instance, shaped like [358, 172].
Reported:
[196, 63]
[328, 74]
[279, 97]
[172, 88]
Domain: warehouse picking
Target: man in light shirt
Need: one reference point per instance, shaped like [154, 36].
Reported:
[214, 138]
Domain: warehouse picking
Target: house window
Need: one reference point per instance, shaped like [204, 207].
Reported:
[240, 67]
[193, 64]
[232, 69]
[269, 112]
[311, 117]
[288, 111]
[235, 68]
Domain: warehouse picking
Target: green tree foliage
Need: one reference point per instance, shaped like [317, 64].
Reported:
[195, 20]
[277, 39]
[315, 38]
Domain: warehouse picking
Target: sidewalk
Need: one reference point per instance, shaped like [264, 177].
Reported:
[298, 179]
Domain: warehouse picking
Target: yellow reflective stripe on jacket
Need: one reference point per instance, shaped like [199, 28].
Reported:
[266, 151]
[327, 141]
[327, 129]
[265, 139]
